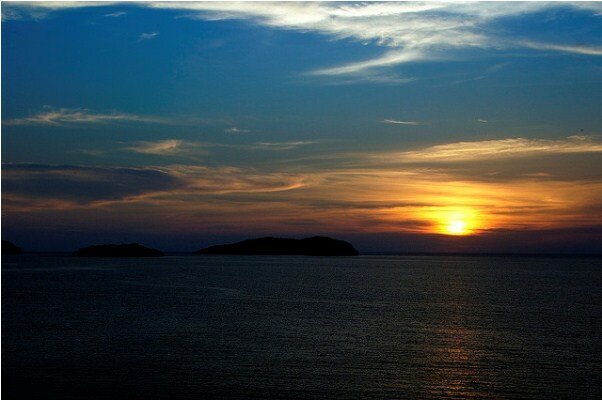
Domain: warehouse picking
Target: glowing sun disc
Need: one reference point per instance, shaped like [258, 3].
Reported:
[456, 227]
[458, 222]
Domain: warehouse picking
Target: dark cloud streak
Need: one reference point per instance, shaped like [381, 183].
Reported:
[82, 185]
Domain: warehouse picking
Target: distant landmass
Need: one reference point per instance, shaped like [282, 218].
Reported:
[118, 250]
[314, 246]
[10, 248]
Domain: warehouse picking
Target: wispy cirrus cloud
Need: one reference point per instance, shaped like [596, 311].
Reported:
[277, 146]
[409, 31]
[413, 32]
[228, 180]
[116, 14]
[398, 122]
[41, 9]
[75, 116]
[179, 147]
[147, 36]
[501, 148]
[40, 186]
[497, 159]
[574, 49]
[390, 58]
[161, 147]
[169, 147]
[236, 130]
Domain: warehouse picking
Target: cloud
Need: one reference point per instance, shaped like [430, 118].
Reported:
[228, 180]
[500, 148]
[41, 9]
[409, 191]
[236, 130]
[277, 146]
[169, 147]
[147, 36]
[397, 122]
[180, 147]
[412, 31]
[116, 14]
[367, 77]
[498, 66]
[81, 184]
[74, 116]
[386, 60]
[584, 50]
[161, 147]
[387, 24]
[491, 70]
[497, 160]
[39, 186]
[64, 5]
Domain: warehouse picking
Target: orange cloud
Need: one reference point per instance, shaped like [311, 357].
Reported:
[379, 196]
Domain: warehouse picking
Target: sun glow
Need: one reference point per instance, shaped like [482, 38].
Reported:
[458, 223]
[456, 227]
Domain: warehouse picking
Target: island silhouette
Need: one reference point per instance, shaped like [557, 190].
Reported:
[10, 248]
[313, 246]
[118, 250]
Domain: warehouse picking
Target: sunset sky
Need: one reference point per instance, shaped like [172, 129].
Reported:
[403, 127]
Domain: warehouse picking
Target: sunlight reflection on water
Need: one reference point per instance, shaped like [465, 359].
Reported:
[302, 327]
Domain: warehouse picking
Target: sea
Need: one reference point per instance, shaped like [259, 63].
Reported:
[280, 327]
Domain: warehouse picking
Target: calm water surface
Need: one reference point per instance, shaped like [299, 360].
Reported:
[300, 327]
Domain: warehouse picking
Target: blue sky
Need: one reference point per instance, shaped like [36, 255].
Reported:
[228, 120]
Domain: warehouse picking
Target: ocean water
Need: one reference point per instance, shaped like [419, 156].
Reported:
[368, 327]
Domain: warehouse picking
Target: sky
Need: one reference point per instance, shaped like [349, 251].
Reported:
[401, 127]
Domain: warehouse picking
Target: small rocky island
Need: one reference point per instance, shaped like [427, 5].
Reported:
[118, 250]
[10, 248]
[314, 246]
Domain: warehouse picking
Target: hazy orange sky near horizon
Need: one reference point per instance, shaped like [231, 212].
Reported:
[390, 195]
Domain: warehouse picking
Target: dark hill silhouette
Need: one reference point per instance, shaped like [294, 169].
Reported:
[10, 248]
[314, 246]
[118, 250]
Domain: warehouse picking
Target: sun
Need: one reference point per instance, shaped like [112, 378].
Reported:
[457, 222]
[456, 227]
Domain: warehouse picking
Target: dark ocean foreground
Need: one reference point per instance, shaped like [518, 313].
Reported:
[230, 327]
